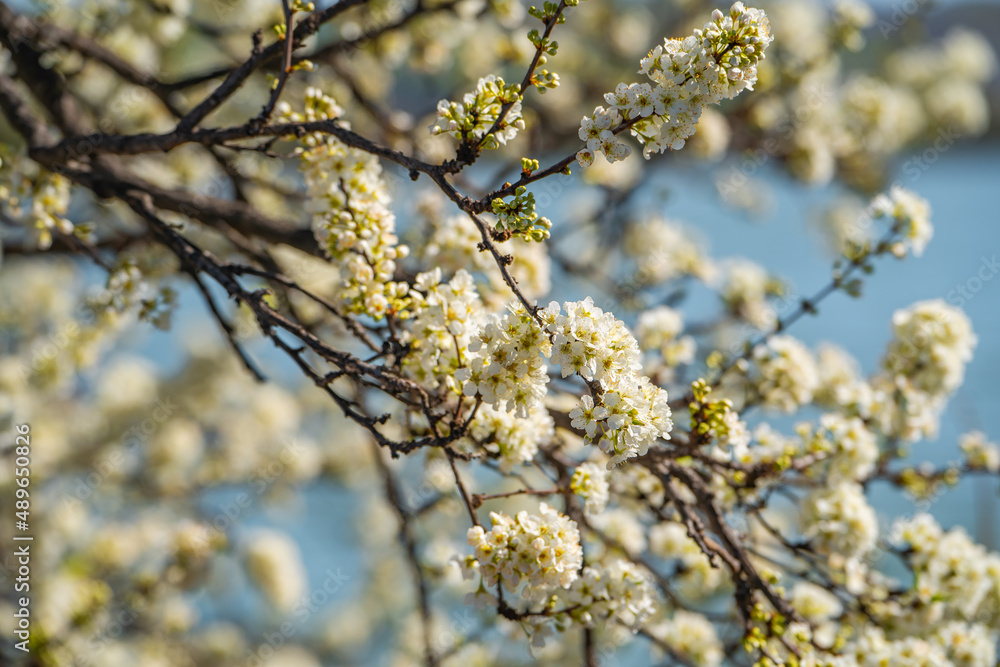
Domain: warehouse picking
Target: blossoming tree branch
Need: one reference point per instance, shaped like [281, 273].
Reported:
[581, 475]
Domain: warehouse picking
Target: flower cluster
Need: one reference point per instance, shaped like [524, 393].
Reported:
[957, 578]
[629, 412]
[839, 521]
[745, 289]
[616, 592]
[590, 482]
[519, 217]
[911, 218]
[49, 197]
[840, 383]
[692, 636]
[352, 220]
[715, 421]
[452, 244]
[274, 565]
[507, 369]
[444, 318]
[473, 119]
[506, 365]
[714, 63]
[848, 448]
[980, 453]
[130, 290]
[948, 77]
[933, 343]
[660, 329]
[543, 551]
[514, 440]
[786, 373]
[969, 645]
[814, 603]
[664, 250]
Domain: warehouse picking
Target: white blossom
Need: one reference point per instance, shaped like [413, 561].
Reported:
[590, 482]
[275, 566]
[692, 636]
[716, 62]
[933, 342]
[786, 374]
[543, 551]
[979, 452]
[597, 346]
[910, 214]
[838, 520]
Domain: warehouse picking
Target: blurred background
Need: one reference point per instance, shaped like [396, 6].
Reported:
[159, 463]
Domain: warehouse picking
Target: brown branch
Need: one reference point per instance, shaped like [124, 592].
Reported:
[227, 328]
[236, 77]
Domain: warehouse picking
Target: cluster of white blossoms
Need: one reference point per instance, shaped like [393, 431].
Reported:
[130, 291]
[660, 329]
[832, 120]
[745, 288]
[715, 421]
[958, 644]
[623, 527]
[273, 563]
[838, 520]
[840, 383]
[507, 369]
[444, 317]
[590, 482]
[955, 578]
[514, 440]
[786, 374]
[45, 195]
[980, 453]
[848, 449]
[629, 412]
[471, 120]
[816, 605]
[352, 221]
[948, 77]
[687, 75]
[691, 636]
[768, 446]
[506, 364]
[911, 217]
[933, 343]
[663, 250]
[924, 364]
[615, 592]
[542, 551]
